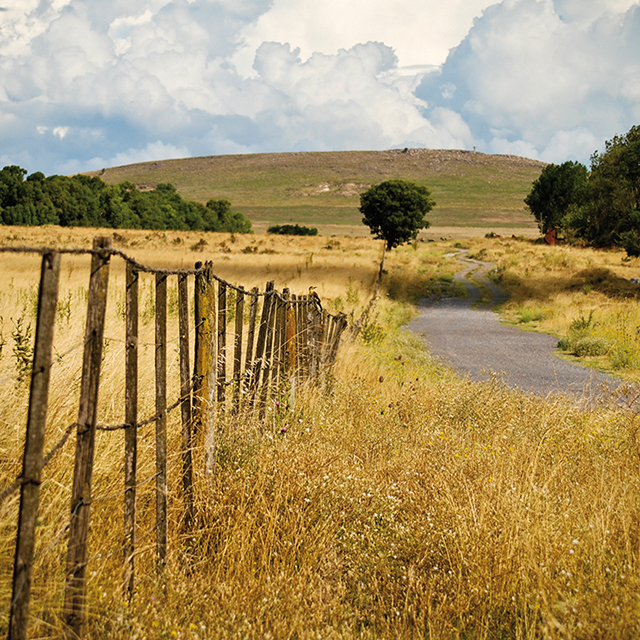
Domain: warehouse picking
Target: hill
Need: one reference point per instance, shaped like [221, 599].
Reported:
[322, 188]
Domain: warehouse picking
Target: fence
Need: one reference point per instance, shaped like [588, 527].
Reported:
[288, 340]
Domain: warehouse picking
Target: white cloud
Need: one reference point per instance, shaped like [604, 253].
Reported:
[94, 83]
[421, 32]
[527, 78]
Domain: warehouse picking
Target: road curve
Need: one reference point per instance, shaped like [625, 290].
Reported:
[474, 343]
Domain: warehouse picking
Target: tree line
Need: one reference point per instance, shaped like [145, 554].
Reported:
[600, 207]
[84, 201]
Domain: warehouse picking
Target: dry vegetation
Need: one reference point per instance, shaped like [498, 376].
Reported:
[584, 296]
[396, 502]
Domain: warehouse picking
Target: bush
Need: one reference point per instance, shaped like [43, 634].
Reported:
[292, 230]
[590, 346]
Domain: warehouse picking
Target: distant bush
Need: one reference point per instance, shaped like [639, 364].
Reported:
[292, 230]
[83, 201]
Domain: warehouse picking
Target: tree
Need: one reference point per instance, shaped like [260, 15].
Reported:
[394, 210]
[556, 193]
[610, 215]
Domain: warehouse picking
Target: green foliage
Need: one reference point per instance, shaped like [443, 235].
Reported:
[610, 212]
[557, 191]
[83, 201]
[394, 210]
[292, 230]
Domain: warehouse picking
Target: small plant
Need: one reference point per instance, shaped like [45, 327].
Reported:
[63, 310]
[353, 297]
[624, 355]
[590, 346]
[22, 349]
[373, 333]
[581, 326]
[530, 315]
[200, 245]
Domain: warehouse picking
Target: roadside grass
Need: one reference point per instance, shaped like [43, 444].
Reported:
[396, 501]
[584, 296]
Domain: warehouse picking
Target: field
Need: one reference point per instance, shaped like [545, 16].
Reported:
[322, 189]
[399, 501]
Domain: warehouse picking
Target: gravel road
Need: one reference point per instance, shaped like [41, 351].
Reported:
[475, 344]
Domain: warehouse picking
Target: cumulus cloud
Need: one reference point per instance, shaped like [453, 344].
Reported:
[88, 83]
[530, 78]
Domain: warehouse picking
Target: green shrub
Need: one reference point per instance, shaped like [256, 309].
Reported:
[624, 355]
[373, 333]
[292, 230]
[590, 346]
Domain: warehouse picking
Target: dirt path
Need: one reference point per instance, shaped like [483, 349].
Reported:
[475, 344]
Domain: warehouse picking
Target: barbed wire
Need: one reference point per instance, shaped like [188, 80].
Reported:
[148, 269]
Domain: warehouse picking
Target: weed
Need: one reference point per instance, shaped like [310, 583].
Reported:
[22, 349]
[624, 355]
[373, 333]
[590, 346]
[63, 310]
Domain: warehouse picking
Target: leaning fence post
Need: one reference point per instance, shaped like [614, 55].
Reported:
[258, 363]
[34, 445]
[161, 419]
[237, 350]
[185, 399]
[85, 442]
[248, 362]
[130, 433]
[222, 343]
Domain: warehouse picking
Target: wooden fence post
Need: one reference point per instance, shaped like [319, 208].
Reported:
[130, 433]
[237, 350]
[161, 419]
[34, 446]
[85, 442]
[204, 360]
[205, 309]
[258, 363]
[185, 400]
[291, 339]
[221, 369]
[248, 362]
[269, 352]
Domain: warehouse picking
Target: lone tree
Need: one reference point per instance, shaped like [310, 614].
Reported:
[394, 210]
[557, 192]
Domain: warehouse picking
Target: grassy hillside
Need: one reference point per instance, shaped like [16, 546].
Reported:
[471, 189]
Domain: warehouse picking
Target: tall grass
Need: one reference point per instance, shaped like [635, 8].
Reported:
[396, 501]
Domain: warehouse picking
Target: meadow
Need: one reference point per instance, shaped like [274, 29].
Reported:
[322, 189]
[396, 501]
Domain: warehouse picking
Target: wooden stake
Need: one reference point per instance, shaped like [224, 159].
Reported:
[258, 363]
[130, 433]
[34, 446]
[161, 420]
[185, 400]
[237, 350]
[222, 343]
[85, 442]
[204, 304]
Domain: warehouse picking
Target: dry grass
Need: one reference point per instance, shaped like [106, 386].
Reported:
[396, 502]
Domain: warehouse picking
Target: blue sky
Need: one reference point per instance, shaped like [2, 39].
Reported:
[88, 84]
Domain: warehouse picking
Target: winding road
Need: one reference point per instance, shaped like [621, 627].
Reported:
[475, 344]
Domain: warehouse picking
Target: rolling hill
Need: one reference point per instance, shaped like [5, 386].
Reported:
[322, 188]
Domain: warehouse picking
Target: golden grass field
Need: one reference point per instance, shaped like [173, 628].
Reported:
[400, 502]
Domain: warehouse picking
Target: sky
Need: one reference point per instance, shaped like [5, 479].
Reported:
[87, 84]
